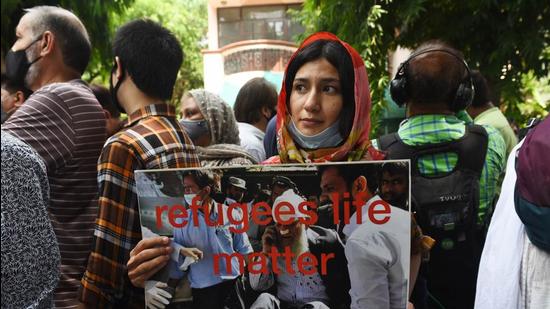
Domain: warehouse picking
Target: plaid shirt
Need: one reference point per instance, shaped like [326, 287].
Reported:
[430, 129]
[152, 139]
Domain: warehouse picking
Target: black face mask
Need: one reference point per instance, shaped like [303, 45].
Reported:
[17, 64]
[114, 90]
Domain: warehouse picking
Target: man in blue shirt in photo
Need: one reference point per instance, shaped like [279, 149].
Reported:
[202, 243]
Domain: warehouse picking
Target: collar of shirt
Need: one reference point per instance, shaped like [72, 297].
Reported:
[160, 109]
[427, 129]
[248, 128]
[214, 214]
[212, 211]
[353, 224]
[435, 119]
[229, 201]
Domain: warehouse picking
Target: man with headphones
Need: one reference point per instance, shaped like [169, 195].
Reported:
[455, 167]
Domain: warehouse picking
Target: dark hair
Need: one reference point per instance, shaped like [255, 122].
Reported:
[151, 55]
[283, 181]
[482, 93]
[337, 55]
[434, 77]
[103, 95]
[351, 172]
[71, 35]
[12, 86]
[202, 179]
[395, 168]
[252, 97]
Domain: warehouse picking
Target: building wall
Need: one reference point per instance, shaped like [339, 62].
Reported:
[227, 68]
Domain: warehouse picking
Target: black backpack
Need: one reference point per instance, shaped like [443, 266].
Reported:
[446, 204]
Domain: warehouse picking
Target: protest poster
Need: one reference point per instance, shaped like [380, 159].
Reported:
[323, 234]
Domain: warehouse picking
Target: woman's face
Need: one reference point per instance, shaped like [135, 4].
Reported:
[190, 111]
[316, 98]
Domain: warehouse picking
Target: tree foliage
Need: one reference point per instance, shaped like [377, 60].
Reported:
[95, 15]
[187, 19]
[508, 41]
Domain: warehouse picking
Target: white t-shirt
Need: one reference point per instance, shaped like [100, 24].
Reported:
[252, 140]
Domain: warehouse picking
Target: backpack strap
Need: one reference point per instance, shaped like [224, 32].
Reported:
[395, 148]
[386, 141]
[472, 149]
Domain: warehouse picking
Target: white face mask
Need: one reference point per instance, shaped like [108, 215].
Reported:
[329, 137]
[189, 198]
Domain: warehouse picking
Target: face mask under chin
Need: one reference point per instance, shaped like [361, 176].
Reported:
[328, 138]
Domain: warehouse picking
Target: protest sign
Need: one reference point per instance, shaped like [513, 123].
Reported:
[303, 232]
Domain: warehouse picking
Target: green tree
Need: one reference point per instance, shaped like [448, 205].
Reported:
[508, 41]
[535, 99]
[187, 19]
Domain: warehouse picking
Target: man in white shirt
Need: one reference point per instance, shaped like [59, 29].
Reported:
[360, 181]
[378, 254]
[378, 262]
[254, 106]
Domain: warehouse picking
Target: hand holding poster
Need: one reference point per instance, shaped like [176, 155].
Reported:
[279, 236]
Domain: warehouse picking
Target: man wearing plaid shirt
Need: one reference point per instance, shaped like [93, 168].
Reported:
[435, 84]
[147, 60]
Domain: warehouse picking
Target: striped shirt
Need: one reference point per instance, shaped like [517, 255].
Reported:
[65, 124]
[152, 139]
[432, 129]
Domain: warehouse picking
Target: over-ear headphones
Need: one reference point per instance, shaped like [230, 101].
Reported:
[464, 93]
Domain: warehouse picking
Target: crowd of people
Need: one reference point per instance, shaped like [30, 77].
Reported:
[71, 234]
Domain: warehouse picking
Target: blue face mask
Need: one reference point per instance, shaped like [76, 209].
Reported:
[195, 128]
[329, 137]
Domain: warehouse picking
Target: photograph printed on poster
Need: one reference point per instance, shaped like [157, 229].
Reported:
[283, 236]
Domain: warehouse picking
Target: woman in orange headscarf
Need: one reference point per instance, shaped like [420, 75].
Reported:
[323, 111]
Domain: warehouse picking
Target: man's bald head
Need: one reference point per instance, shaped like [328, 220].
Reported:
[434, 77]
[70, 34]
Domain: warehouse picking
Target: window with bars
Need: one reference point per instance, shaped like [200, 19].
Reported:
[256, 22]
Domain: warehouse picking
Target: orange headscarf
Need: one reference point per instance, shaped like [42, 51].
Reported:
[357, 145]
